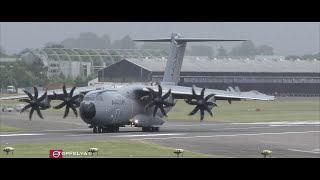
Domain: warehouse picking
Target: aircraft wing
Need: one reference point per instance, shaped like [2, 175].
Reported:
[51, 93]
[182, 92]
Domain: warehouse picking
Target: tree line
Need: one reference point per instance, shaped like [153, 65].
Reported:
[246, 49]
[305, 57]
[91, 40]
[21, 74]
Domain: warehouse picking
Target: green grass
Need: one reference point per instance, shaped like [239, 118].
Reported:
[107, 149]
[10, 129]
[245, 111]
[6, 95]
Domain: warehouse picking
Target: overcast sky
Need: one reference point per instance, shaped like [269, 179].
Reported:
[286, 38]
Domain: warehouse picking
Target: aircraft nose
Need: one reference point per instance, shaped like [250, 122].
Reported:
[87, 111]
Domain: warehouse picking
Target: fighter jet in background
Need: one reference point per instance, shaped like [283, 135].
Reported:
[107, 108]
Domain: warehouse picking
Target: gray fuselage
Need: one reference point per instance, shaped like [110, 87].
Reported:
[117, 107]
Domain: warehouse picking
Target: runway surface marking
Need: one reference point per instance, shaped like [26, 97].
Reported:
[141, 135]
[309, 122]
[231, 135]
[241, 128]
[129, 135]
[8, 135]
[296, 125]
[65, 130]
[315, 151]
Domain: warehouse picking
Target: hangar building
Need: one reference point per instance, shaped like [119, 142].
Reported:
[79, 61]
[274, 77]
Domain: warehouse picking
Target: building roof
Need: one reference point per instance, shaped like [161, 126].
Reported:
[227, 65]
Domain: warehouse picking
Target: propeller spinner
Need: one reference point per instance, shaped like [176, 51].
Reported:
[201, 103]
[157, 100]
[34, 102]
[68, 101]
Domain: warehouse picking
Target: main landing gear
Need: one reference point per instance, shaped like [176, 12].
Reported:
[150, 129]
[109, 129]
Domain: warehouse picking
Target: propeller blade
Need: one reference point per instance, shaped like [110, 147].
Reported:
[35, 92]
[158, 100]
[64, 91]
[166, 95]
[191, 102]
[210, 104]
[194, 111]
[39, 113]
[30, 114]
[201, 103]
[27, 92]
[74, 97]
[167, 103]
[160, 91]
[202, 92]
[202, 114]
[60, 105]
[74, 110]
[208, 110]
[71, 92]
[149, 105]
[42, 97]
[25, 108]
[208, 97]
[66, 112]
[69, 101]
[194, 93]
[155, 111]
[58, 97]
[162, 111]
[25, 100]
[153, 93]
[77, 104]
[34, 102]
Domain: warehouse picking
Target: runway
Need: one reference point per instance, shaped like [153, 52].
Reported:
[241, 140]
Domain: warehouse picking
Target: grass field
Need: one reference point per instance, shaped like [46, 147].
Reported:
[245, 111]
[10, 129]
[107, 149]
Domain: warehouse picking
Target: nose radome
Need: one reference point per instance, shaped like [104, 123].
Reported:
[87, 111]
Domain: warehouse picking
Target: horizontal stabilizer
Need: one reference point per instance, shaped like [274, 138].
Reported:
[153, 40]
[188, 40]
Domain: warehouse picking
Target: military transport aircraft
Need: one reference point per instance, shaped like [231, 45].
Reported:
[107, 108]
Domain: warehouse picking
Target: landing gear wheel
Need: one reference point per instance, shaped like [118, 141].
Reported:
[95, 130]
[114, 129]
[146, 129]
[99, 129]
[104, 130]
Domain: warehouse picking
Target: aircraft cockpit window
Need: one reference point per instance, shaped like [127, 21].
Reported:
[89, 98]
[99, 98]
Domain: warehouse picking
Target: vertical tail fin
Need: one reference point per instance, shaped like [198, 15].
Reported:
[176, 54]
[175, 59]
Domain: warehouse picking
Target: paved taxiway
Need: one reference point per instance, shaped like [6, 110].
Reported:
[285, 139]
